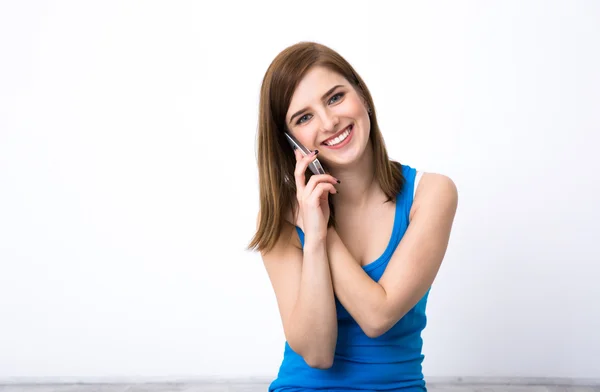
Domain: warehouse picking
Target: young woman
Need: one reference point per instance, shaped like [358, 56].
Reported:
[351, 254]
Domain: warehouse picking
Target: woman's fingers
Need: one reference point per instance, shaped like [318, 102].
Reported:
[297, 154]
[302, 163]
[304, 188]
[319, 193]
[316, 179]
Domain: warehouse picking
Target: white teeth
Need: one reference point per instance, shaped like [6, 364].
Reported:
[340, 138]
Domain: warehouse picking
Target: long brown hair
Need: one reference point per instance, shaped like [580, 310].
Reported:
[276, 161]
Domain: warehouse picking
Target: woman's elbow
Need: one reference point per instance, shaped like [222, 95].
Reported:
[316, 354]
[376, 329]
[374, 333]
[317, 359]
[322, 362]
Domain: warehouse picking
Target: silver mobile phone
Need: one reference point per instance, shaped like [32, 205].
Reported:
[315, 166]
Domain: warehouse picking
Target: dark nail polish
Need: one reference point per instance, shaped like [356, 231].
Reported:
[316, 152]
[338, 181]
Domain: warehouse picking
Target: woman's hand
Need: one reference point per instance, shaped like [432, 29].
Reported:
[313, 205]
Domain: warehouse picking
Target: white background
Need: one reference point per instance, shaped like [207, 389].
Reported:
[128, 180]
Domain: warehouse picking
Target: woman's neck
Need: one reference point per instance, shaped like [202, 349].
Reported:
[357, 183]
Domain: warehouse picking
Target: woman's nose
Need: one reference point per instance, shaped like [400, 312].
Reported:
[329, 122]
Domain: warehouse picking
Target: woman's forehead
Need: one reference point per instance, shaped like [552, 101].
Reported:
[317, 79]
[313, 85]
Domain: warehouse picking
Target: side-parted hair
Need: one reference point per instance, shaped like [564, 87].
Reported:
[276, 160]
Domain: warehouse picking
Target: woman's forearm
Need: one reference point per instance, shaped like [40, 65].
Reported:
[314, 318]
[362, 297]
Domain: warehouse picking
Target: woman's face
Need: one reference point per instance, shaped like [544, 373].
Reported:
[327, 114]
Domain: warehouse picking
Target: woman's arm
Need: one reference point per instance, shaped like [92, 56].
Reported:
[377, 306]
[304, 291]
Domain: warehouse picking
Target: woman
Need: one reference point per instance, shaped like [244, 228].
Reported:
[351, 254]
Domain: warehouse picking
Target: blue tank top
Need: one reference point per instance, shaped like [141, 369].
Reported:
[390, 362]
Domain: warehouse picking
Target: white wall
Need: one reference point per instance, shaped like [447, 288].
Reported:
[129, 186]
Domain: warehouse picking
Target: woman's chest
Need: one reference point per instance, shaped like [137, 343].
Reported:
[367, 234]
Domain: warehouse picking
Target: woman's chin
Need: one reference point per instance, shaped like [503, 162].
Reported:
[342, 160]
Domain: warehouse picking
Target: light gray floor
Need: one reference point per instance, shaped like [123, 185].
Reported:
[256, 387]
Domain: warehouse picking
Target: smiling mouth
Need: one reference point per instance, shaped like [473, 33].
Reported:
[334, 141]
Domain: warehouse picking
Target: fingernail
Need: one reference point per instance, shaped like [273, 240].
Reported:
[316, 152]
[338, 181]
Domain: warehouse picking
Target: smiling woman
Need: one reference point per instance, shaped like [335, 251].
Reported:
[352, 253]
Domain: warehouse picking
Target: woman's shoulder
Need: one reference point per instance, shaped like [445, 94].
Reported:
[423, 181]
[289, 227]
[434, 188]
[436, 181]
[288, 235]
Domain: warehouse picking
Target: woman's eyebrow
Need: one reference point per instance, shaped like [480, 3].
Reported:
[299, 112]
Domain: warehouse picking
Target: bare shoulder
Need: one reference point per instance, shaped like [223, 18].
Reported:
[435, 191]
[288, 240]
[286, 254]
[287, 251]
[288, 232]
[435, 182]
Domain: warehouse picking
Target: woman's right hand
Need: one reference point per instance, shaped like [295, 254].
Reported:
[313, 205]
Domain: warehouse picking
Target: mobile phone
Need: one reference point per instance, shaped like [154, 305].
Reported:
[315, 166]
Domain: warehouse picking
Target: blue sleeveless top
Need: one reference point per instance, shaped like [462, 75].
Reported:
[390, 362]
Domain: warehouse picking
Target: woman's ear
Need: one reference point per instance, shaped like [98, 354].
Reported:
[365, 104]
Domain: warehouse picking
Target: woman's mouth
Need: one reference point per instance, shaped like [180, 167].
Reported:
[341, 140]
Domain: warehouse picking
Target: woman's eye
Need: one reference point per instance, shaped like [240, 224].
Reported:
[331, 100]
[340, 95]
[300, 119]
